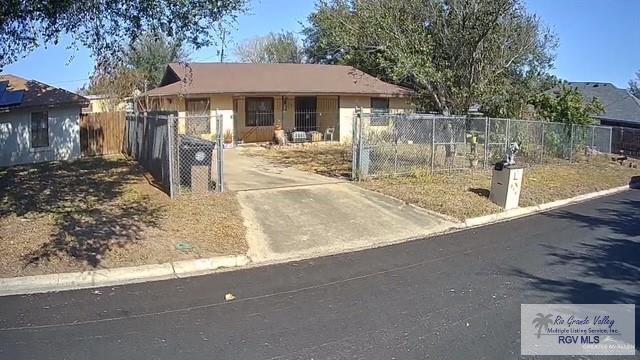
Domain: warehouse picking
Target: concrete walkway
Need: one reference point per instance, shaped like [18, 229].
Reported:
[295, 214]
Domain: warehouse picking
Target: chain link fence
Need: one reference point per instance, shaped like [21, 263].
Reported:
[388, 144]
[626, 141]
[184, 154]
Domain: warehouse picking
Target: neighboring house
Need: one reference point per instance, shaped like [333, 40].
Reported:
[253, 99]
[38, 122]
[620, 107]
[103, 103]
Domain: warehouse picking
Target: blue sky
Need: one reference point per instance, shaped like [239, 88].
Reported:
[599, 40]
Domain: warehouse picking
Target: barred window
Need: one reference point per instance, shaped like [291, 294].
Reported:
[39, 129]
[259, 112]
[198, 119]
[379, 112]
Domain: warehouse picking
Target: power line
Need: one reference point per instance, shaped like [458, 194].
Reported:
[67, 81]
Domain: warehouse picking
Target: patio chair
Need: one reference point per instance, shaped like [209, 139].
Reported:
[328, 133]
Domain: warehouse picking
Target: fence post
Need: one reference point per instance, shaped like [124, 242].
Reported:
[507, 136]
[542, 143]
[355, 139]
[220, 153]
[571, 144]
[170, 133]
[395, 145]
[433, 143]
[486, 141]
[593, 139]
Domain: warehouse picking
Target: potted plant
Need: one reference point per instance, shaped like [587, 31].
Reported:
[279, 136]
[228, 139]
[473, 160]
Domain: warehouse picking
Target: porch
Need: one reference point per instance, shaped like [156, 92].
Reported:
[303, 118]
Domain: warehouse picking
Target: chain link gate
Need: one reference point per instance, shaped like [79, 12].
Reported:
[196, 154]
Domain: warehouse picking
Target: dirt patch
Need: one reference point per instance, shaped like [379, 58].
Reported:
[332, 160]
[465, 194]
[102, 213]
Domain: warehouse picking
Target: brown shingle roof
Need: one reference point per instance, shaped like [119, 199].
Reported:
[230, 78]
[37, 94]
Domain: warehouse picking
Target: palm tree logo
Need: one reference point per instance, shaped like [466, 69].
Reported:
[542, 321]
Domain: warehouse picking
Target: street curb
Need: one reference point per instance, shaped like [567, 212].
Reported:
[186, 268]
[117, 276]
[530, 210]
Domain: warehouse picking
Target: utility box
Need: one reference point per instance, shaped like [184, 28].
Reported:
[506, 184]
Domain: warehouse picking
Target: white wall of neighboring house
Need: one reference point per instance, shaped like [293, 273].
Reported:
[15, 136]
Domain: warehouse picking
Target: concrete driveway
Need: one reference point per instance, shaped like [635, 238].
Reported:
[295, 214]
[243, 171]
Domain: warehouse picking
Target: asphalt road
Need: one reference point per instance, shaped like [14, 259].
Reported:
[456, 296]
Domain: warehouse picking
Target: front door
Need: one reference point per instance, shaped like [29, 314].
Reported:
[306, 119]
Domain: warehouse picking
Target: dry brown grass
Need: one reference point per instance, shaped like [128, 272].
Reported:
[465, 194]
[332, 160]
[102, 213]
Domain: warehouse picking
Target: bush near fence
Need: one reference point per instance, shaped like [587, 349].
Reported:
[405, 143]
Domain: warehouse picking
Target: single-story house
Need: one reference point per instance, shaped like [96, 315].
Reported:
[620, 107]
[253, 99]
[38, 122]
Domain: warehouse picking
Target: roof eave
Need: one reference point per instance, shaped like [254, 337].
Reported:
[46, 106]
[403, 94]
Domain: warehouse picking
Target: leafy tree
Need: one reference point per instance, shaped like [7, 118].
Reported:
[634, 85]
[107, 27]
[142, 68]
[149, 56]
[567, 105]
[272, 48]
[515, 99]
[453, 53]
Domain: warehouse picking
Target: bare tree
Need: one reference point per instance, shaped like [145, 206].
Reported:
[271, 48]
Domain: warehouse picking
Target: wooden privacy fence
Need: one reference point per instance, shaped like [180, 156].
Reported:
[102, 133]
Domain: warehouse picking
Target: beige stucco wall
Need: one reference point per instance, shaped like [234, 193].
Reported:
[218, 105]
[349, 104]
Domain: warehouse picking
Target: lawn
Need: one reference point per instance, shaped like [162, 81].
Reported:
[103, 213]
[464, 194]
